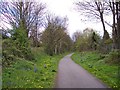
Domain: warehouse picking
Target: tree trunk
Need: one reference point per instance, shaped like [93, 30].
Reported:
[60, 47]
[102, 20]
[55, 49]
[113, 27]
[36, 39]
[119, 34]
[106, 35]
[117, 30]
[118, 26]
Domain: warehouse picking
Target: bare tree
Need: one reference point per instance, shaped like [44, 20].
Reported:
[94, 9]
[76, 35]
[118, 25]
[55, 38]
[114, 8]
[26, 12]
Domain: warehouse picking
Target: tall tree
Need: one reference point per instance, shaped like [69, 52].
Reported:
[118, 25]
[55, 38]
[115, 8]
[94, 9]
[27, 12]
[76, 35]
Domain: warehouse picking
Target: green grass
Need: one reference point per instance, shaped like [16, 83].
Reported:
[21, 74]
[94, 63]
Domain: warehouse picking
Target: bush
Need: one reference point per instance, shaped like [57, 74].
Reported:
[113, 57]
[16, 47]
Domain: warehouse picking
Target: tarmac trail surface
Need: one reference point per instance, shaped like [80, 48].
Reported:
[72, 75]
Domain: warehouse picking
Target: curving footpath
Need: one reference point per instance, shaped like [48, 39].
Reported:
[72, 75]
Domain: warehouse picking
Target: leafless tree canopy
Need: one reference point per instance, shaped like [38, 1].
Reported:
[91, 9]
[29, 13]
[94, 9]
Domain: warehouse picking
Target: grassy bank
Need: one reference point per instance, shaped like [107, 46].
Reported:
[32, 74]
[94, 63]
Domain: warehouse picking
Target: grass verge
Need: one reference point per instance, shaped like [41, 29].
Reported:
[94, 63]
[32, 74]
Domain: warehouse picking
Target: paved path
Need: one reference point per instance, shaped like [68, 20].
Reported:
[71, 75]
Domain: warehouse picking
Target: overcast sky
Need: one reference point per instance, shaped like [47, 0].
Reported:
[66, 8]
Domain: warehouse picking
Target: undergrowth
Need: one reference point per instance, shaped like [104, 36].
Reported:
[39, 73]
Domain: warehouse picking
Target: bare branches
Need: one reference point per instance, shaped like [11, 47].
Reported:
[29, 12]
[55, 33]
[92, 9]
[56, 22]
[86, 7]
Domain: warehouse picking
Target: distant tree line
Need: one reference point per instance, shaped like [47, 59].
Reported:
[89, 39]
